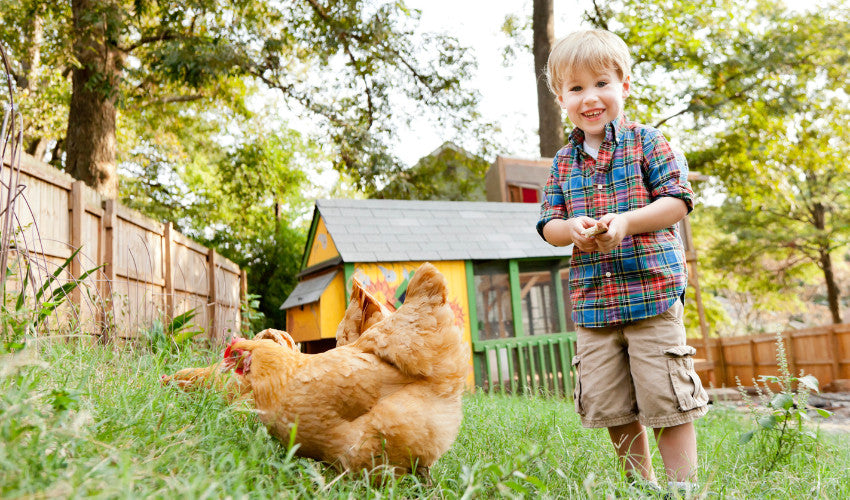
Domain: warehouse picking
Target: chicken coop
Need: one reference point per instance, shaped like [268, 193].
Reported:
[507, 286]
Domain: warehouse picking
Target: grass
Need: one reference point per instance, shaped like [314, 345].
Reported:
[91, 421]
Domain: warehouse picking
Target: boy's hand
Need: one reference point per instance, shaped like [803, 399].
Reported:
[577, 227]
[617, 230]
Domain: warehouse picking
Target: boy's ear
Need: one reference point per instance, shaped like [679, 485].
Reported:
[627, 86]
[561, 102]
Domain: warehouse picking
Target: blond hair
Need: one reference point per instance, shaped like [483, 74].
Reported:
[595, 50]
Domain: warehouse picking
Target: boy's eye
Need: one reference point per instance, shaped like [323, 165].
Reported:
[601, 83]
[575, 89]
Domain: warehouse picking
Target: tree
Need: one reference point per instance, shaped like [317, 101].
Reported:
[542, 28]
[550, 128]
[348, 65]
[247, 203]
[449, 173]
[788, 199]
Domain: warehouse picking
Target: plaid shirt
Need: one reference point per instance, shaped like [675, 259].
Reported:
[647, 272]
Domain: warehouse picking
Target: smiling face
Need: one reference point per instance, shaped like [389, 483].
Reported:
[593, 100]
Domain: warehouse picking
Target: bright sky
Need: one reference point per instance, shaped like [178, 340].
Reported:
[508, 94]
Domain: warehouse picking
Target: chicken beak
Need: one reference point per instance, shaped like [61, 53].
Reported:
[237, 360]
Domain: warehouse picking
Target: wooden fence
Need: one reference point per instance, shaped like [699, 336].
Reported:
[822, 351]
[149, 272]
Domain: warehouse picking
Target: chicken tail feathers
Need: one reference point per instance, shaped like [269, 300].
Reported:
[421, 338]
[429, 284]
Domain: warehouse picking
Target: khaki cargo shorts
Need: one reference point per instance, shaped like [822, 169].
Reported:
[640, 371]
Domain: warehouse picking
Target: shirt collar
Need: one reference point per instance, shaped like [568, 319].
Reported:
[613, 132]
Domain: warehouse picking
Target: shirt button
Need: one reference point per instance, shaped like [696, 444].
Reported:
[599, 186]
[607, 275]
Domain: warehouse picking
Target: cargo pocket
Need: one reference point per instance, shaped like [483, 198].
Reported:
[577, 381]
[686, 383]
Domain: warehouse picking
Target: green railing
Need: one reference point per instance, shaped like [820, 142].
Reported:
[527, 365]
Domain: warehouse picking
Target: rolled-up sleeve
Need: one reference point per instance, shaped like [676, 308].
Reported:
[553, 206]
[667, 173]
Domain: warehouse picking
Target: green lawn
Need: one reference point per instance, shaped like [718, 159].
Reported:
[84, 421]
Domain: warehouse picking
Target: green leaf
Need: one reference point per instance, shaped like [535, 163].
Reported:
[62, 400]
[768, 422]
[536, 482]
[782, 401]
[55, 277]
[746, 437]
[810, 381]
[19, 304]
[181, 321]
[823, 413]
[516, 486]
[181, 337]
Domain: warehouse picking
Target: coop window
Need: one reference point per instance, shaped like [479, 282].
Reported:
[538, 297]
[493, 300]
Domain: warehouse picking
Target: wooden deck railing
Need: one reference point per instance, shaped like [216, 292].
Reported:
[526, 365]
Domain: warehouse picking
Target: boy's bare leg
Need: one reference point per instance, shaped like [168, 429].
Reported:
[678, 447]
[632, 447]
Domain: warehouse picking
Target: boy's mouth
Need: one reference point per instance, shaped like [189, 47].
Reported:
[596, 113]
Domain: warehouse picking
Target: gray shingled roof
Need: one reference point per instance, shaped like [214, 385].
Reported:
[308, 291]
[402, 230]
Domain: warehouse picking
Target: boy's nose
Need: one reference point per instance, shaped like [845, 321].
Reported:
[591, 97]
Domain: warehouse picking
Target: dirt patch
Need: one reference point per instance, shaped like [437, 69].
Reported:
[836, 402]
[839, 404]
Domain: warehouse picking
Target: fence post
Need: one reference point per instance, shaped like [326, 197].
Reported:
[108, 222]
[212, 335]
[243, 297]
[721, 354]
[168, 271]
[754, 358]
[834, 347]
[77, 209]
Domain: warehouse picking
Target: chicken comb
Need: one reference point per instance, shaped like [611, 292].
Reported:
[229, 349]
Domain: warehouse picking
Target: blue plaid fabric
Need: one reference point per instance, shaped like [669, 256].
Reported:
[647, 272]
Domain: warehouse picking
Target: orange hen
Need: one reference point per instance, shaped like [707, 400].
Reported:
[391, 397]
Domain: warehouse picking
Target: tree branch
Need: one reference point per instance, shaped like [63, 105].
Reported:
[599, 18]
[163, 36]
[344, 37]
[177, 98]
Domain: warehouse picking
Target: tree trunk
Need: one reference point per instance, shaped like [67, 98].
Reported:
[37, 146]
[833, 293]
[551, 128]
[32, 65]
[90, 139]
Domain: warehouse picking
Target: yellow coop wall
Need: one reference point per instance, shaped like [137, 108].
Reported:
[323, 247]
[332, 306]
[384, 281]
[304, 322]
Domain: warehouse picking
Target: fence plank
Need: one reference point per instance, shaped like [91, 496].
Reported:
[76, 210]
[556, 386]
[212, 297]
[168, 271]
[833, 342]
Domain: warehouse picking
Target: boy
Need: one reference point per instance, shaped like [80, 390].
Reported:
[622, 181]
